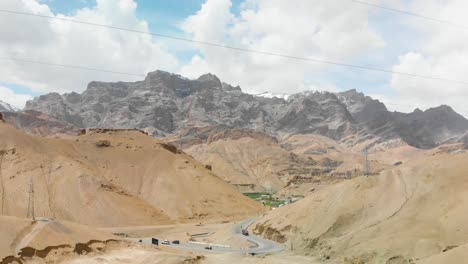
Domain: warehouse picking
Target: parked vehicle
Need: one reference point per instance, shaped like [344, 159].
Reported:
[208, 247]
[165, 242]
[176, 242]
[245, 232]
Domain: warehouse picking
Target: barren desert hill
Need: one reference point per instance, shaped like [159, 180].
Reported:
[254, 161]
[115, 178]
[409, 213]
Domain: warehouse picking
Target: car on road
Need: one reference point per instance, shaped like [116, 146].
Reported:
[208, 247]
[165, 242]
[176, 242]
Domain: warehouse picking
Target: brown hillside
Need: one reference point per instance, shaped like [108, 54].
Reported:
[111, 179]
[412, 212]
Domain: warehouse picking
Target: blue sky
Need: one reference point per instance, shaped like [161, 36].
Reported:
[165, 17]
[162, 16]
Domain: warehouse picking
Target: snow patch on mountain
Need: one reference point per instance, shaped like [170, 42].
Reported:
[7, 107]
[272, 95]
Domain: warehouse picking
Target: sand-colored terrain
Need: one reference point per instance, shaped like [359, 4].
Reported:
[263, 164]
[246, 162]
[410, 213]
[23, 239]
[411, 209]
[143, 256]
[291, 166]
[113, 178]
[455, 255]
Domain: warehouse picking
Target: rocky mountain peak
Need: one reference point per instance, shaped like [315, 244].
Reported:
[210, 81]
[442, 109]
[158, 75]
[165, 104]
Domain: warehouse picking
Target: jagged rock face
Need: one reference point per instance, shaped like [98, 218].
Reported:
[320, 113]
[165, 104]
[432, 127]
[426, 129]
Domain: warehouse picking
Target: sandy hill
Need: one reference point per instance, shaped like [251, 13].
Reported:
[413, 212]
[111, 178]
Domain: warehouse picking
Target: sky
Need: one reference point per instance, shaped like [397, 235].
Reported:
[342, 31]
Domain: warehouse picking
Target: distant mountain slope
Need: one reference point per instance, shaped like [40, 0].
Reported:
[165, 104]
[37, 123]
[422, 129]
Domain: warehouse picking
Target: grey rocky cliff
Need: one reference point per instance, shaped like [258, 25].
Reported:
[165, 104]
[422, 129]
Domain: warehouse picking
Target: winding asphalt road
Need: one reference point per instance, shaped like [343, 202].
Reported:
[262, 246]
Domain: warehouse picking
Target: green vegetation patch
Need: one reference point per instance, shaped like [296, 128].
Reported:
[266, 199]
[257, 195]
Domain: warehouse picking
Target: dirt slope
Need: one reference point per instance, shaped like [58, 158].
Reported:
[111, 179]
[412, 212]
[20, 233]
[456, 255]
[293, 165]
[10, 228]
[246, 161]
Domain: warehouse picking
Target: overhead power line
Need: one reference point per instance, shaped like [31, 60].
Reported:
[86, 68]
[219, 46]
[411, 14]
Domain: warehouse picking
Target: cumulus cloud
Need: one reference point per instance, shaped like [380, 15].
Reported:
[443, 53]
[328, 30]
[16, 100]
[73, 44]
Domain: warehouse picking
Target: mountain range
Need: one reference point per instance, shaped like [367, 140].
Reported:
[165, 104]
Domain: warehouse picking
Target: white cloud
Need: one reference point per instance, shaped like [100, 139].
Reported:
[12, 98]
[444, 53]
[69, 43]
[329, 30]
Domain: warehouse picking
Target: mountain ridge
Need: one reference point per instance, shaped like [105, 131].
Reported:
[164, 104]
